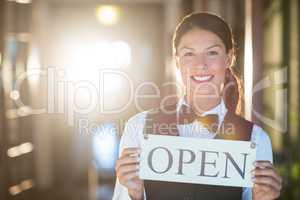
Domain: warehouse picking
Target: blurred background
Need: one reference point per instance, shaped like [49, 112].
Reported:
[69, 70]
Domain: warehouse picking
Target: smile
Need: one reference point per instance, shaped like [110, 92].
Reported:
[202, 79]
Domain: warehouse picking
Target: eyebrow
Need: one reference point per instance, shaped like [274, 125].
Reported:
[215, 45]
[190, 48]
[185, 47]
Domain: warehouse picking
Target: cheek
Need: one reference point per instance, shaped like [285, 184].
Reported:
[187, 62]
[219, 69]
[219, 73]
[184, 73]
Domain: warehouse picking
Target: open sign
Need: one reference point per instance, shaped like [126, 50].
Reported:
[193, 160]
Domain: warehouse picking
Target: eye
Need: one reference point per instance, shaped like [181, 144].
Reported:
[212, 53]
[188, 54]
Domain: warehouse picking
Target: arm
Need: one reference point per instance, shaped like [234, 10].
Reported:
[267, 183]
[128, 185]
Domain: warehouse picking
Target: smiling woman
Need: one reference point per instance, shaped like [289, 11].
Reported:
[202, 58]
[204, 52]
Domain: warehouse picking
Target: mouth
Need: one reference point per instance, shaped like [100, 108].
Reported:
[202, 78]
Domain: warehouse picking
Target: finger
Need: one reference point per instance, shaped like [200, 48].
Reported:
[129, 151]
[268, 181]
[272, 193]
[133, 185]
[128, 168]
[127, 161]
[263, 164]
[129, 176]
[266, 172]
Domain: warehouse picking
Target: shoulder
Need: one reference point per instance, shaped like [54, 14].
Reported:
[242, 126]
[135, 123]
[257, 135]
[260, 135]
[240, 120]
[137, 118]
[133, 131]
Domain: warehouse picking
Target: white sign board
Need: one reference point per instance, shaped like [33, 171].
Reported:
[194, 160]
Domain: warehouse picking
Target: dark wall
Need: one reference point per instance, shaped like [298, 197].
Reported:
[3, 158]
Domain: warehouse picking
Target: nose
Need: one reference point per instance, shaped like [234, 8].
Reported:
[200, 62]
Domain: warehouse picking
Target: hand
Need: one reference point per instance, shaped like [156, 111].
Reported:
[127, 168]
[267, 183]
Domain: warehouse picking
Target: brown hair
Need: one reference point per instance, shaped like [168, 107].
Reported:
[207, 21]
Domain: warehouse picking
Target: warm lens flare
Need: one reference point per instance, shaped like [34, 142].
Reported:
[108, 14]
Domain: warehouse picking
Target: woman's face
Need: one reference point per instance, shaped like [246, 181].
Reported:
[202, 60]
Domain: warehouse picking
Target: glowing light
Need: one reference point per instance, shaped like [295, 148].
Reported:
[105, 145]
[27, 184]
[25, 148]
[24, 111]
[14, 190]
[24, 1]
[108, 14]
[21, 1]
[24, 185]
[15, 95]
[33, 65]
[122, 52]
[11, 114]
[19, 150]
[13, 152]
[101, 55]
[248, 65]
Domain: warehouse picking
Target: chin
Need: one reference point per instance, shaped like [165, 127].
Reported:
[205, 93]
[205, 89]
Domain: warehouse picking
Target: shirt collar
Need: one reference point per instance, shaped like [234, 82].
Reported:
[219, 109]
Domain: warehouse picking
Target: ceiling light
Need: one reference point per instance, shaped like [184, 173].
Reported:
[108, 14]
[23, 1]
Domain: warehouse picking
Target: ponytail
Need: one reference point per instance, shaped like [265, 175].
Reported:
[232, 92]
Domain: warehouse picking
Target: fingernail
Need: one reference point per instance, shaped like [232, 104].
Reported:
[253, 178]
[137, 166]
[134, 155]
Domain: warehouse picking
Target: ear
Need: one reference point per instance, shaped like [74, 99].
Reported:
[229, 59]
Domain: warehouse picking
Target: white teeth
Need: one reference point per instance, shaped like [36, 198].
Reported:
[202, 78]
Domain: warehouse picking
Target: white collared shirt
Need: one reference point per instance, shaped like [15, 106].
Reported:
[133, 134]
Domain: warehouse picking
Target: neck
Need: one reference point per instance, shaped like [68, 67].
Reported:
[201, 105]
